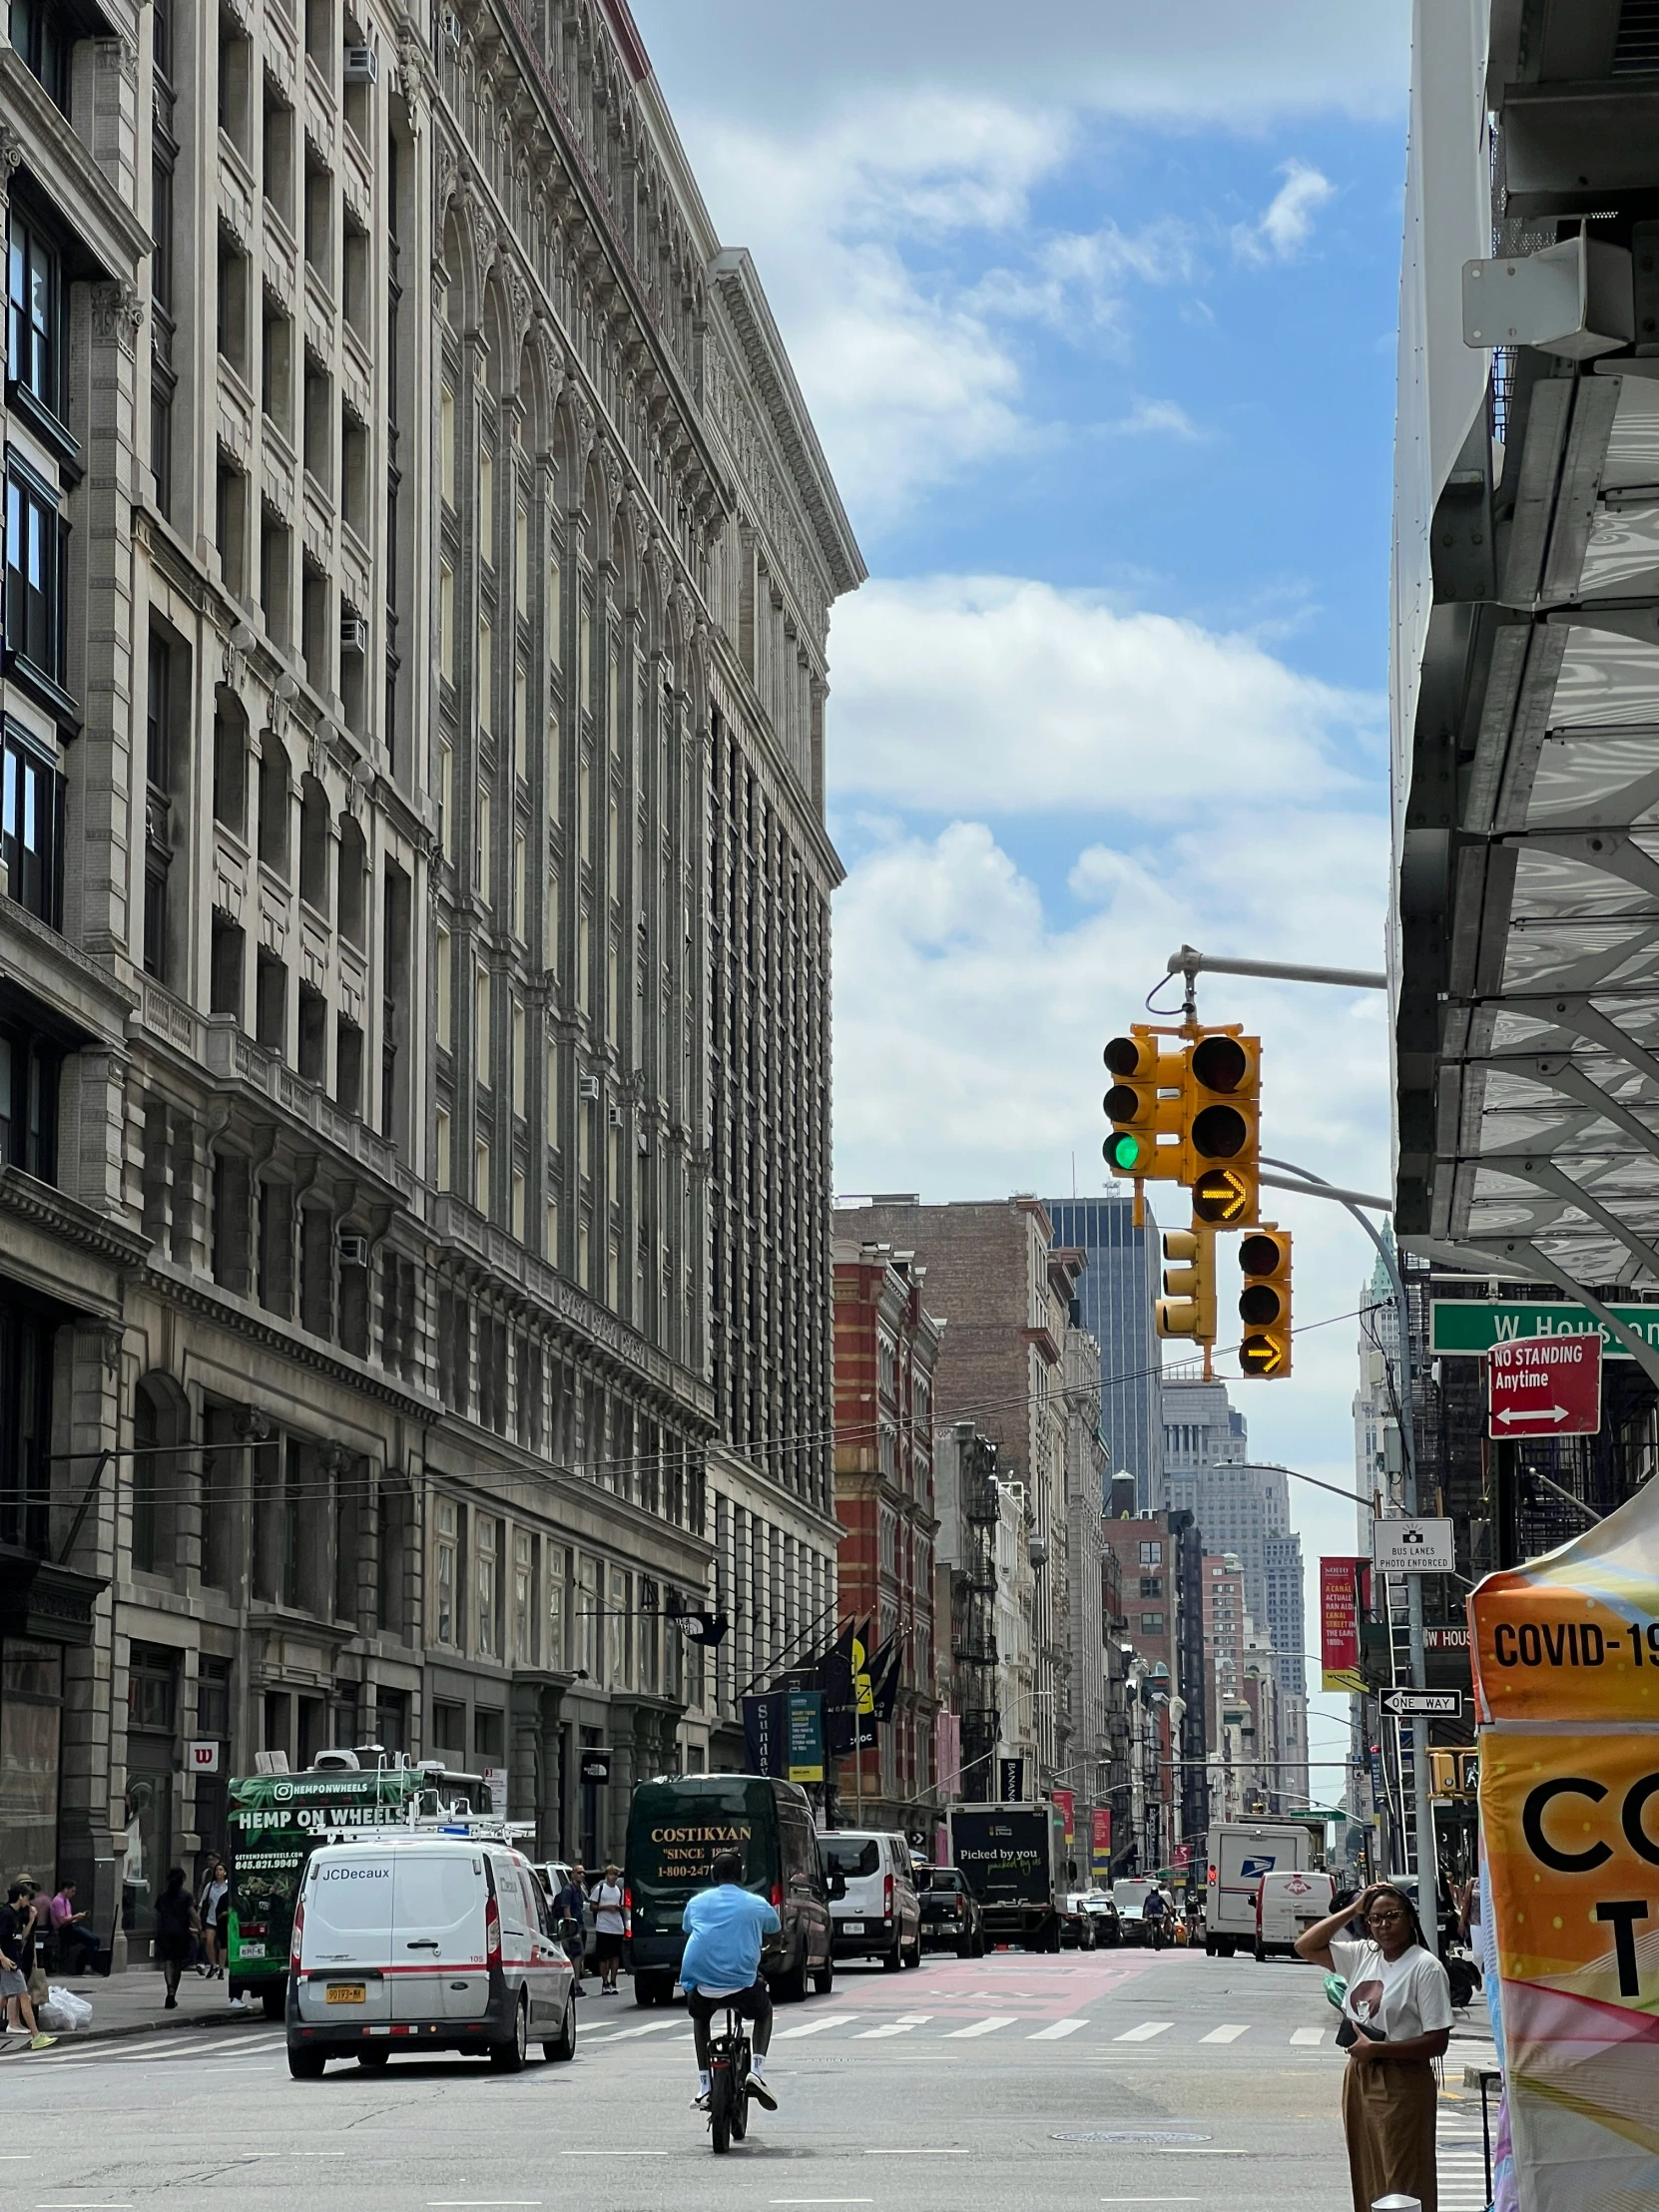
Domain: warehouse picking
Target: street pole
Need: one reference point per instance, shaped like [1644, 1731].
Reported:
[1423, 1801]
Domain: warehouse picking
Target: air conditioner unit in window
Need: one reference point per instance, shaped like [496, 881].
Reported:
[353, 1249]
[615, 1117]
[354, 634]
[362, 66]
[587, 1087]
[452, 28]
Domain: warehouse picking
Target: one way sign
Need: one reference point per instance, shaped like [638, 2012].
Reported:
[1546, 1386]
[1443, 1704]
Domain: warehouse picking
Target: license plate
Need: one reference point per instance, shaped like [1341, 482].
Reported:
[347, 1992]
[249, 1951]
[852, 1928]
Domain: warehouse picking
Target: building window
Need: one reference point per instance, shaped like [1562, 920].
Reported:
[43, 41]
[29, 1066]
[1152, 1556]
[25, 1427]
[35, 333]
[483, 1574]
[37, 576]
[524, 1598]
[445, 1557]
[31, 828]
[1152, 1624]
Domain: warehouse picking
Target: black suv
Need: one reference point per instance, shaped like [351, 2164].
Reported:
[950, 1915]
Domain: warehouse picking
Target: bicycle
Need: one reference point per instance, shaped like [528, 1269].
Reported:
[728, 2055]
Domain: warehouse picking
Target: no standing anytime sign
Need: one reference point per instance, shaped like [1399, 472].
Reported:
[1545, 1387]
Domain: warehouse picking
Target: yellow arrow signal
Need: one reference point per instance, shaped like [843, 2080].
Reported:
[1260, 1355]
[1221, 1195]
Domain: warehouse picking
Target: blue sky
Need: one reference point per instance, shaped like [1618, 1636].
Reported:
[1095, 310]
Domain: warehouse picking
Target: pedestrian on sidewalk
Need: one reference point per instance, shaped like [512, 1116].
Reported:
[77, 1945]
[1396, 2021]
[570, 1915]
[177, 1924]
[213, 1908]
[17, 1940]
[607, 1927]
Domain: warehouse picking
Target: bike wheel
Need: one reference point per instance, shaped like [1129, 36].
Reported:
[719, 2107]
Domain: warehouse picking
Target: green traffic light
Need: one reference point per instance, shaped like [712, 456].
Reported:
[1123, 1151]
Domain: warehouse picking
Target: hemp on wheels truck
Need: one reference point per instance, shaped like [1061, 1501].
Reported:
[1011, 1858]
[276, 1821]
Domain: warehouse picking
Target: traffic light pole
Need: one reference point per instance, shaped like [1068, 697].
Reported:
[1422, 1799]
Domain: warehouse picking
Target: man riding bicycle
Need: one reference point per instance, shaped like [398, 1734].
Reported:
[721, 1967]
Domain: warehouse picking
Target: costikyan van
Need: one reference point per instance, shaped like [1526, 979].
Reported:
[434, 1943]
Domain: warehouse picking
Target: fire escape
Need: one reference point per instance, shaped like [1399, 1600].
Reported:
[974, 1623]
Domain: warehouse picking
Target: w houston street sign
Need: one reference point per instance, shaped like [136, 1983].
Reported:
[1545, 1387]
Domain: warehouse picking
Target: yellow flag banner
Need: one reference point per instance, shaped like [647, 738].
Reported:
[1566, 1653]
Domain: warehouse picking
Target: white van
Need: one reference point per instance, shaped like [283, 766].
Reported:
[1241, 1852]
[1129, 1895]
[1285, 1904]
[424, 1943]
[874, 1907]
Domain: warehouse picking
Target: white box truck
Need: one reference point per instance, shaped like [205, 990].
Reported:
[1241, 1852]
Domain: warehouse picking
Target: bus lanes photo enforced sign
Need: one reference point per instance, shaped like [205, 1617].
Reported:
[1544, 1387]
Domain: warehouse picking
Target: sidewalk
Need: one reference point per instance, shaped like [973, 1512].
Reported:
[131, 2003]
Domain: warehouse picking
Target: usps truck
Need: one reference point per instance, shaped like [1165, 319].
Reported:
[1241, 1852]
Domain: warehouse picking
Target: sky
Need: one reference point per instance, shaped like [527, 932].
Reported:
[1094, 305]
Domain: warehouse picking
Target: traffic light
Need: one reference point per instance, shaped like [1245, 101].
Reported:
[1265, 1302]
[1189, 1306]
[1443, 1778]
[1224, 1125]
[1147, 1102]
[1469, 1772]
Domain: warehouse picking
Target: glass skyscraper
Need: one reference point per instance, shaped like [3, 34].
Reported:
[1115, 1298]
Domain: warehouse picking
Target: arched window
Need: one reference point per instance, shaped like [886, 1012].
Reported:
[274, 805]
[313, 844]
[353, 910]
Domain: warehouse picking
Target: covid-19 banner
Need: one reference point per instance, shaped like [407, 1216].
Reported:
[1566, 1656]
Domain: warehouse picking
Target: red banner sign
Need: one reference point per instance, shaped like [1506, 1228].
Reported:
[1340, 1624]
[1066, 1800]
[1100, 1842]
[1545, 1387]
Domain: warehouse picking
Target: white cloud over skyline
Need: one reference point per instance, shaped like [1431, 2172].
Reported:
[1287, 222]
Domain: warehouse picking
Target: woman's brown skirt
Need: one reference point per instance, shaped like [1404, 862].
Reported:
[1388, 2120]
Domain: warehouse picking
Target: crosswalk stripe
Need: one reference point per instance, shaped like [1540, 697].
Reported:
[890, 2027]
[1053, 2033]
[1227, 2032]
[983, 2027]
[814, 2027]
[1311, 2036]
[627, 2035]
[1145, 2032]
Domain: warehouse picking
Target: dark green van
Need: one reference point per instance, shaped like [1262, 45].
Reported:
[677, 1825]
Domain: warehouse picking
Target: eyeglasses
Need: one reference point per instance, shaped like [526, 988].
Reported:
[1382, 1919]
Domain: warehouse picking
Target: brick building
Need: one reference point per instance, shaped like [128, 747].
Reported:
[1006, 1298]
[887, 1348]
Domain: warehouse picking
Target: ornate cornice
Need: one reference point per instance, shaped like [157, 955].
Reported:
[69, 1221]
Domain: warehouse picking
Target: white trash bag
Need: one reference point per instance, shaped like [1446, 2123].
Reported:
[64, 2011]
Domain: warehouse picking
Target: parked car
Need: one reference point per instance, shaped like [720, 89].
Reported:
[1108, 1928]
[1076, 1921]
[872, 1896]
[421, 1945]
[951, 1914]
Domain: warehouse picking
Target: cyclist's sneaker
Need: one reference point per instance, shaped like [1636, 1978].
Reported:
[758, 2090]
[700, 2103]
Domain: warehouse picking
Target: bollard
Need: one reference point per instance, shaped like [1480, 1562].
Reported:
[1397, 2205]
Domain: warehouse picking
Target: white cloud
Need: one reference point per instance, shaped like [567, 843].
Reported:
[1203, 62]
[1075, 282]
[998, 693]
[1158, 419]
[1287, 222]
[969, 1022]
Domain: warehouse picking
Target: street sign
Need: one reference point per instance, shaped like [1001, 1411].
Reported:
[1412, 1547]
[1545, 1387]
[1443, 1704]
[1464, 1328]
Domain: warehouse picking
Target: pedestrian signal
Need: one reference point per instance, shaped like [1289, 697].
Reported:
[1147, 1106]
[1265, 1303]
[1442, 1773]
[1189, 1306]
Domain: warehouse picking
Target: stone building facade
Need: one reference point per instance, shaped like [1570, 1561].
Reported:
[414, 969]
[887, 1348]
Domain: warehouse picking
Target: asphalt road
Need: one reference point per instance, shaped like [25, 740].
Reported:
[1122, 2078]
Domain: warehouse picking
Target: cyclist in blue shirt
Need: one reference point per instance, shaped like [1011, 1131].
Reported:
[721, 1967]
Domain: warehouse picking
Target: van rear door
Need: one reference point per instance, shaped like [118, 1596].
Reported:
[441, 1969]
[346, 1941]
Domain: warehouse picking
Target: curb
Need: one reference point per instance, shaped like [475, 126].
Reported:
[229, 2015]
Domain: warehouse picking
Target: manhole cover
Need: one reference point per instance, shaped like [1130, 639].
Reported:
[1127, 2135]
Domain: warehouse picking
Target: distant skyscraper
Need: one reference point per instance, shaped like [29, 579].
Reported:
[1114, 1304]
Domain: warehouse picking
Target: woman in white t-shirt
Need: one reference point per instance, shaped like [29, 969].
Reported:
[1396, 2021]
